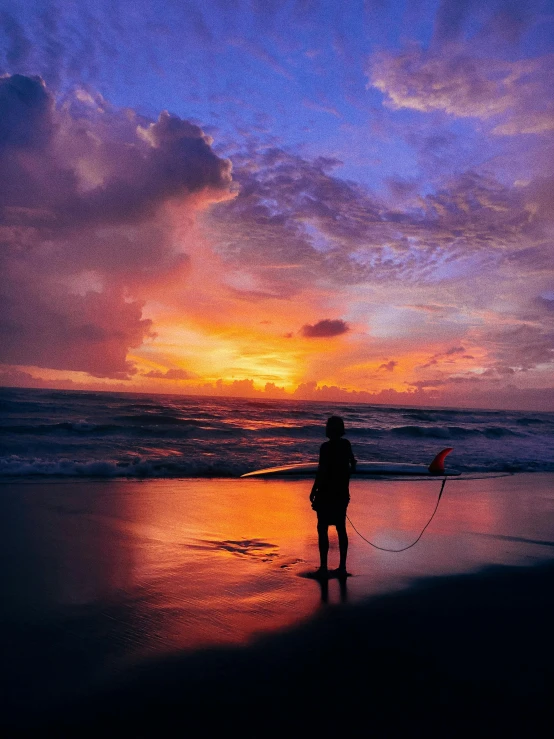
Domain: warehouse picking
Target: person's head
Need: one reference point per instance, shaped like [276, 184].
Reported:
[334, 427]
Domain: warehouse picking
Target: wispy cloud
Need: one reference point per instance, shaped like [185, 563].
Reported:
[515, 96]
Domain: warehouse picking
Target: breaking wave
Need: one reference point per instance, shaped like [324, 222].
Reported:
[142, 468]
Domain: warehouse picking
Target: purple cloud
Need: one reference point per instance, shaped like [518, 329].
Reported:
[434, 360]
[292, 215]
[457, 80]
[325, 328]
[85, 235]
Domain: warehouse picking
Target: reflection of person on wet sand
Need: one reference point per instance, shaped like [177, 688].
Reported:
[330, 493]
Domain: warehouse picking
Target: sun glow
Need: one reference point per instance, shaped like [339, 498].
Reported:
[226, 354]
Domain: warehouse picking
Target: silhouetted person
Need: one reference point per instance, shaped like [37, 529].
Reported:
[330, 492]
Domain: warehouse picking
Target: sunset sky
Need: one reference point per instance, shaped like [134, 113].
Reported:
[280, 198]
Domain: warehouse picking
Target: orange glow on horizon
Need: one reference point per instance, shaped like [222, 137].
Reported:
[212, 335]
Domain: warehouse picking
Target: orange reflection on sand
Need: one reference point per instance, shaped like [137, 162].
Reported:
[215, 565]
[406, 505]
[163, 565]
[415, 505]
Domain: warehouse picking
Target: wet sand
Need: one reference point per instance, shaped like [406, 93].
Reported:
[146, 604]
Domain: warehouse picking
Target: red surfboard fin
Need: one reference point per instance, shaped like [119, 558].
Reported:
[437, 465]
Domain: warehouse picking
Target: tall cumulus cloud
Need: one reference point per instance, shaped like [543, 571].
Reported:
[83, 223]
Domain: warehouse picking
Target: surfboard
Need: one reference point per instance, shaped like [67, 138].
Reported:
[365, 469]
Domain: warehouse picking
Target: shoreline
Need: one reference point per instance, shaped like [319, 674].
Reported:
[68, 479]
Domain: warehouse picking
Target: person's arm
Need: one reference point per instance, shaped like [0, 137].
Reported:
[315, 486]
[352, 459]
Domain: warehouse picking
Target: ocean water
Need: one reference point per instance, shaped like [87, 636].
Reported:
[58, 433]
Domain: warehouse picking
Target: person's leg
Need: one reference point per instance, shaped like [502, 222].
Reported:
[343, 544]
[323, 541]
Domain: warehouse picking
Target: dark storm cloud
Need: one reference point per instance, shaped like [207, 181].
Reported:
[141, 184]
[325, 328]
[81, 224]
[135, 164]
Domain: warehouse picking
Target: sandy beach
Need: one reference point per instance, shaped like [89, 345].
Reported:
[122, 598]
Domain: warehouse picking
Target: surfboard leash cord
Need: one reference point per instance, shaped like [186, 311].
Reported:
[385, 549]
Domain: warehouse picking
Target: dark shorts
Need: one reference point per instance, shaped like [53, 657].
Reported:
[331, 514]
